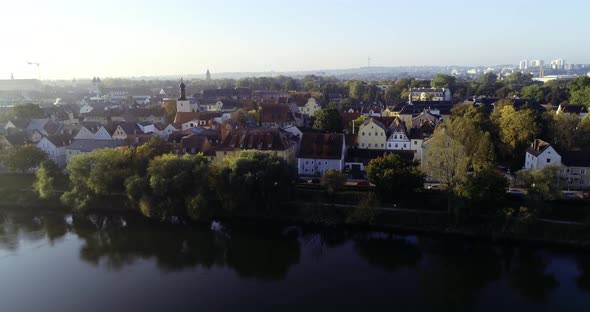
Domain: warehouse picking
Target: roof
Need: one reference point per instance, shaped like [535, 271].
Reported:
[60, 140]
[538, 147]
[576, 158]
[574, 109]
[18, 138]
[275, 113]
[182, 117]
[146, 112]
[91, 145]
[265, 139]
[321, 145]
[129, 127]
[377, 122]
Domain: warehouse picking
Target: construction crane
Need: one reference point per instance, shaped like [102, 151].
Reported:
[38, 69]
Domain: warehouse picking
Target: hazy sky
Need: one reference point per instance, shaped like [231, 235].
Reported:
[131, 38]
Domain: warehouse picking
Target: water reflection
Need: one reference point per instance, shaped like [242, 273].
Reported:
[447, 275]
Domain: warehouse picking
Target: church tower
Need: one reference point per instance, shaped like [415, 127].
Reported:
[183, 104]
[208, 75]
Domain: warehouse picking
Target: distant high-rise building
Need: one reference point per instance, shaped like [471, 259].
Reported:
[558, 64]
[535, 63]
[208, 75]
[523, 64]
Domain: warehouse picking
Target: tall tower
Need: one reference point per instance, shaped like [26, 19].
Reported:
[208, 75]
[182, 91]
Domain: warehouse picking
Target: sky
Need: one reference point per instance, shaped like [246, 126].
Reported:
[125, 38]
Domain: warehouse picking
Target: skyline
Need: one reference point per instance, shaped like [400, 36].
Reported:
[145, 38]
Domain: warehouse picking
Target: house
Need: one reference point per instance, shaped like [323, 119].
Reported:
[261, 139]
[580, 110]
[202, 119]
[238, 94]
[16, 125]
[310, 107]
[54, 147]
[79, 147]
[372, 135]
[87, 131]
[199, 143]
[221, 106]
[576, 171]
[430, 94]
[541, 154]
[169, 129]
[425, 116]
[155, 115]
[123, 130]
[319, 152]
[397, 136]
[418, 136]
[276, 116]
[17, 139]
[270, 95]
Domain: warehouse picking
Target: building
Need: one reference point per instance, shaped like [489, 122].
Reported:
[523, 65]
[580, 110]
[79, 147]
[261, 139]
[310, 107]
[54, 147]
[276, 116]
[397, 136]
[183, 104]
[430, 94]
[319, 152]
[372, 135]
[541, 154]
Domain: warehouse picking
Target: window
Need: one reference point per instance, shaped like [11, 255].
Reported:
[404, 145]
[325, 163]
[548, 160]
[415, 142]
[369, 133]
[307, 162]
[395, 136]
[382, 145]
[376, 133]
[369, 144]
[582, 171]
[581, 181]
[305, 170]
[396, 145]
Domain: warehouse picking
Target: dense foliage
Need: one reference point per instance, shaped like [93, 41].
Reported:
[394, 177]
[23, 158]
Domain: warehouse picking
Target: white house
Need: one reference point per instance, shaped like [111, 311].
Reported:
[541, 154]
[320, 152]
[54, 147]
[84, 134]
[310, 107]
[398, 138]
[168, 131]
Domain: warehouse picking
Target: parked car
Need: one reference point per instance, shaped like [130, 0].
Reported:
[515, 192]
[434, 187]
[570, 195]
[363, 183]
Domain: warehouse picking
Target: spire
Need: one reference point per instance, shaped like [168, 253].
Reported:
[182, 91]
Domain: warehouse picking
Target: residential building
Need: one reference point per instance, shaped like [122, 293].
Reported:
[430, 94]
[580, 110]
[319, 152]
[79, 147]
[54, 147]
[276, 116]
[261, 139]
[541, 154]
[310, 107]
[397, 136]
[372, 135]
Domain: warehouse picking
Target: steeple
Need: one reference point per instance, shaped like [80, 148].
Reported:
[208, 75]
[182, 91]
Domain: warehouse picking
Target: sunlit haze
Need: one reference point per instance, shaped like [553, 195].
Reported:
[134, 38]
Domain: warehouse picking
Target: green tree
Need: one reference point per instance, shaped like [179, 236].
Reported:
[581, 96]
[484, 191]
[328, 120]
[47, 178]
[533, 93]
[516, 129]
[541, 183]
[28, 111]
[24, 158]
[564, 131]
[443, 81]
[290, 85]
[394, 177]
[97, 177]
[357, 90]
[333, 180]
[150, 150]
[252, 182]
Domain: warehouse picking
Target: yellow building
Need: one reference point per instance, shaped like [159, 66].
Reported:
[388, 112]
[372, 135]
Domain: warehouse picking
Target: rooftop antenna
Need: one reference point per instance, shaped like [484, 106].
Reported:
[38, 69]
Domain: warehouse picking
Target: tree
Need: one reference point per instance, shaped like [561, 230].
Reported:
[516, 129]
[333, 180]
[28, 111]
[357, 90]
[532, 93]
[150, 150]
[96, 177]
[541, 183]
[394, 176]
[484, 191]
[47, 177]
[25, 157]
[290, 85]
[564, 131]
[443, 81]
[358, 122]
[581, 96]
[328, 120]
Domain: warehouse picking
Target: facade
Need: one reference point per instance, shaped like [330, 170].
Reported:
[320, 152]
[310, 107]
[372, 135]
[541, 154]
[79, 147]
[54, 147]
[430, 94]
[102, 134]
[398, 138]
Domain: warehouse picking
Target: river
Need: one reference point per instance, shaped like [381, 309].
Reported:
[57, 262]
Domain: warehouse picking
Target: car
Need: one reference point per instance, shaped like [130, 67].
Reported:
[515, 192]
[434, 187]
[363, 183]
[570, 195]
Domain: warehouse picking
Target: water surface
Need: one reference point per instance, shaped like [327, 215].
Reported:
[56, 262]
